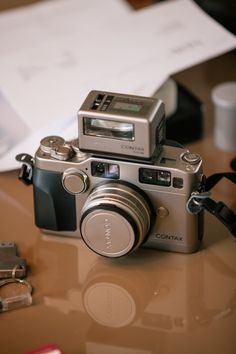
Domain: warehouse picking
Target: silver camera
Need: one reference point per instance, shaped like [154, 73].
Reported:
[120, 185]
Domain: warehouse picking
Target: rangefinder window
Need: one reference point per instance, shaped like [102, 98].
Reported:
[108, 129]
[155, 177]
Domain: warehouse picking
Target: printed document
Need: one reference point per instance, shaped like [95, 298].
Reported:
[52, 54]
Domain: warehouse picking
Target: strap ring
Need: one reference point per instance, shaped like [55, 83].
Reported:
[16, 280]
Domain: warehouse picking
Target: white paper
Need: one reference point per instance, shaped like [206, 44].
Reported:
[46, 26]
[46, 76]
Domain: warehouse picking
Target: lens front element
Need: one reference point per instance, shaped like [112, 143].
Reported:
[115, 219]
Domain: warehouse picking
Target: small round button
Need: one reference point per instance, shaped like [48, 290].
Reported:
[74, 181]
[191, 158]
[162, 212]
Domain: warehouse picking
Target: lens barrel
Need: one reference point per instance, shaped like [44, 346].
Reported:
[115, 219]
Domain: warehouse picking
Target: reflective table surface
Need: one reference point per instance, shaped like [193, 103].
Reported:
[148, 302]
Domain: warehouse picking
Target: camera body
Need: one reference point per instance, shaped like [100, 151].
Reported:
[119, 186]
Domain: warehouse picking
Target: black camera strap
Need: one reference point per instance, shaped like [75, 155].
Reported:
[199, 201]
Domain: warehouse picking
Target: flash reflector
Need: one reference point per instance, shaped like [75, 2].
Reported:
[108, 129]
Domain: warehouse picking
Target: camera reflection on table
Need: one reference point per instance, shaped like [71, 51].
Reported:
[152, 293]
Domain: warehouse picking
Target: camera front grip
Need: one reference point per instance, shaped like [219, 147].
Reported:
[54, 207]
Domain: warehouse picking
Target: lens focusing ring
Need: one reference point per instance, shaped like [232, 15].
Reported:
[115, 219]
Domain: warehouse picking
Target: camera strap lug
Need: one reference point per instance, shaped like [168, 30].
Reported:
[195, 203]
[199, 201]
[26, 171]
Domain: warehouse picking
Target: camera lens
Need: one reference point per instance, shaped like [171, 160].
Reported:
[115, 219]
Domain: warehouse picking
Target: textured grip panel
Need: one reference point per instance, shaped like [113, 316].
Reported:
[54, 207]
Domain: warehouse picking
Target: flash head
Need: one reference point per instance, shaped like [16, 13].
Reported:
[112, 123]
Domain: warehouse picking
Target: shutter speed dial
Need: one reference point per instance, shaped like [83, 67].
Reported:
[75, 181]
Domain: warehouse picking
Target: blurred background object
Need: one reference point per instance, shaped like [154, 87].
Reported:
[224, 99]
[223, 11]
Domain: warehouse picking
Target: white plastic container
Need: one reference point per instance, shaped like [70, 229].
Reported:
[224, 99]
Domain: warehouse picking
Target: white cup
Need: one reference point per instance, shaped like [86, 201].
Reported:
[224, 99]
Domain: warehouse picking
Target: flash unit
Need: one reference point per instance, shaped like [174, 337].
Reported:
[112, 123]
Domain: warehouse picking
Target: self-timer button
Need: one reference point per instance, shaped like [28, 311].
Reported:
[74, 181]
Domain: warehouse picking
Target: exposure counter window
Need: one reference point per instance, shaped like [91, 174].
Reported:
[109, 129]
